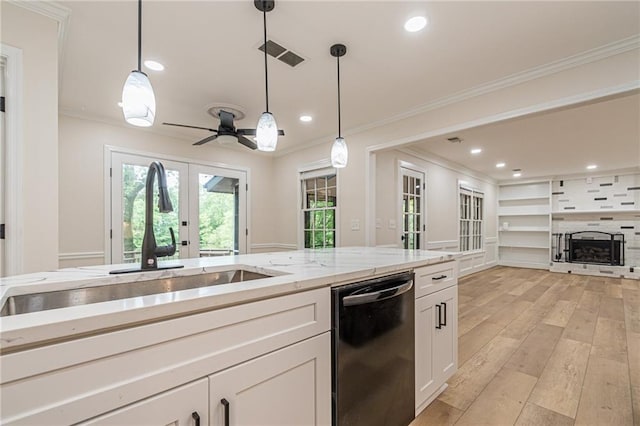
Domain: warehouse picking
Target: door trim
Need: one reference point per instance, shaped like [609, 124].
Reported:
[423, 202]
[14, 242]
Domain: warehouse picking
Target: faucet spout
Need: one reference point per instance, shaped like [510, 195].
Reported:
[150, 250]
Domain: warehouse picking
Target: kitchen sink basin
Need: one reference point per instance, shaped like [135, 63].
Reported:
[35, 302]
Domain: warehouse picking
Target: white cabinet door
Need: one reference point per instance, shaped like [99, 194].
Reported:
[445, 342]
[425, 330]
[436, 341]
[291, 386]
[183, 406]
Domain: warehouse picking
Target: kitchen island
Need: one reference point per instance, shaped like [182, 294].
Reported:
[194, 356]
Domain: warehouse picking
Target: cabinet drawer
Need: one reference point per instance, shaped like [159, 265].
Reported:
[435, 277]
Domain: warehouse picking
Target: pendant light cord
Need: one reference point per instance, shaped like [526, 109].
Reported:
[266, 72]
[339, 116]
[140, 35]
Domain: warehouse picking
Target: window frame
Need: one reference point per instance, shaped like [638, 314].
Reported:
[471, 216]
[314, 172]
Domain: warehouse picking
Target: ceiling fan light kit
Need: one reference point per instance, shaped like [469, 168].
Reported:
[339, 150]
[267, 129]
[138, 99]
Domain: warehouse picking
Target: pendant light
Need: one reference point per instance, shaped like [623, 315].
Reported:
[266, 129]
[339, 150]
[138, 100]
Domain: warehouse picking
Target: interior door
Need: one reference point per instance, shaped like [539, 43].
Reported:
[129, 173]
[217, 211]
[412, 189]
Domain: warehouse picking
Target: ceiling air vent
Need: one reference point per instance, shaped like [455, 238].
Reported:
[281, 53]
[454, 139]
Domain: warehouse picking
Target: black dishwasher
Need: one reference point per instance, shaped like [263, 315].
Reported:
[373, 373]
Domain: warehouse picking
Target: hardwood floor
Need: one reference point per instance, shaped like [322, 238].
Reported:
[542, 348]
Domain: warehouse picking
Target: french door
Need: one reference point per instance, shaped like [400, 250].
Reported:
[412, 192]
[209, 209]
[217, 211]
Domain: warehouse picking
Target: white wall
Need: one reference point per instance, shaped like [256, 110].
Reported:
[82, 198]
[500, 104]
[441, 202]
[37, 37]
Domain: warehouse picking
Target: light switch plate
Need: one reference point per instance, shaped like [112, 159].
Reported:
[355, 225]
[392, 224]
[378, 223]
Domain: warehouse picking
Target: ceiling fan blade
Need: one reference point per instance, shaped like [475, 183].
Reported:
[190, 127]
[252, 132]
[205, 140]
[246, 132]
[247, 142]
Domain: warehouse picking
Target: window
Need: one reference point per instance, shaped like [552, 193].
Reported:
[471, 217]
[319, 200]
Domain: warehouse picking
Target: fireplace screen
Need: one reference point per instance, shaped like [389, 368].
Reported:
[595, 247]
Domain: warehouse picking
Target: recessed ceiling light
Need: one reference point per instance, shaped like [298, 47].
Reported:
[476, 151]
[153, 65]
[517, 174]
[306, 118]
[415, 24]
[592, 166]
[500, 165]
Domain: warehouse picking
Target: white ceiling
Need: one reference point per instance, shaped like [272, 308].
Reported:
[210, 52]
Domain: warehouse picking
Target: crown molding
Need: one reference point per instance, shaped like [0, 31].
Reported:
[59, 13]
[583, 58]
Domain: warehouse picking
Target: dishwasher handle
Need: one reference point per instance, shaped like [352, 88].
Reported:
[376, 296]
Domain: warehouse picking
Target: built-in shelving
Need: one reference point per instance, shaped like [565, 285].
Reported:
[524, 224]
[525, 229]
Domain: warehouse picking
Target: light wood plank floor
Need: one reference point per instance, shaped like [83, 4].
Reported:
[542, 348]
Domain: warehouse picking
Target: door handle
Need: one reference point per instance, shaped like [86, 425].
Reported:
[439, 309]
[196, 417]
[444, 304]
[225, 403]
[361, 299]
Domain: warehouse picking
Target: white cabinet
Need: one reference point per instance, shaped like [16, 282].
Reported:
[436, 343]
[132, 373]
[184, 406]
[291, 386]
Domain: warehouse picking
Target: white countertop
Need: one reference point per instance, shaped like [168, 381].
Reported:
[296, 271]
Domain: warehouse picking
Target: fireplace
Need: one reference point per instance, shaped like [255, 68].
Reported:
[600, 248]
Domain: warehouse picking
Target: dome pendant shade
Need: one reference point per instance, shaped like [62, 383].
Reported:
[339, 153]
[138, 100]
[267, 132]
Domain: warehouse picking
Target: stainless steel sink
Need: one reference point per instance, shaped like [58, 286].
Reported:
[35, 302]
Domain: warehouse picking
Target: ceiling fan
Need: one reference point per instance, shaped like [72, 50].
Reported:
[226, 133]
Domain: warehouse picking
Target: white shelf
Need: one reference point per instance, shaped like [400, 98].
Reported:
[518, 264]
[525, 229]
[542, 211]
[531, 198]
[524, 246]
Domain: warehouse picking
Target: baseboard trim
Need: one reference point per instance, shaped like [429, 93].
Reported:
[279, 246]
[81, 255]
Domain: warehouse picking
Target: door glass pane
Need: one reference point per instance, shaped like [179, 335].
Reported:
[218, 215]
[133, 212]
